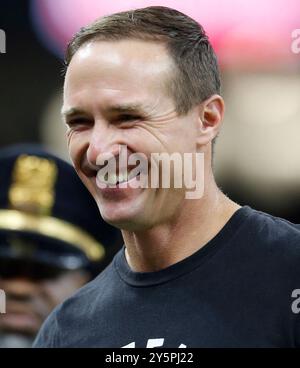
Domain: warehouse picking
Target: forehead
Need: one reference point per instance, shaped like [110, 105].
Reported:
[118, 67]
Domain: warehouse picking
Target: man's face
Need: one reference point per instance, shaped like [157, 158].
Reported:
[30, 301]
[116, 94]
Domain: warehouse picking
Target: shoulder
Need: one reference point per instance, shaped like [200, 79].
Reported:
[65, 324]
[274, 231]
[272, 240]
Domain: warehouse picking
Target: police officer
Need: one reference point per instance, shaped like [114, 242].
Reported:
[52, 239]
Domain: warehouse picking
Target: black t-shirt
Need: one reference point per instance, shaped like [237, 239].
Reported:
[239, 290]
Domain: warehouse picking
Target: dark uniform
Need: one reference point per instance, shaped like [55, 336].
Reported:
[50, 231]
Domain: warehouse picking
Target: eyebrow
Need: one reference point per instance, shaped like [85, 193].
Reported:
[124, 108]
[116, 109]
[72, 111]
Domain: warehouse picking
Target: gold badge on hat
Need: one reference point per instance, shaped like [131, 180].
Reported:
[32, 188]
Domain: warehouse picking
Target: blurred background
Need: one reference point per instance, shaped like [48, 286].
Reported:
[257, 158]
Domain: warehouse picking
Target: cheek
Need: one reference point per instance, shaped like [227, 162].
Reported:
[90, 186]
[77, 145]
[184, 138]
[71, 145]
[69, 135]
[147, 139]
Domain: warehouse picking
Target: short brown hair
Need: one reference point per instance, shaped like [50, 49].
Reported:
[197, 74]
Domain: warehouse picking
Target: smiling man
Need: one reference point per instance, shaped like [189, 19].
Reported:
[202, 272]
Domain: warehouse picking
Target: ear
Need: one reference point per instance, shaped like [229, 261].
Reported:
[211, 113]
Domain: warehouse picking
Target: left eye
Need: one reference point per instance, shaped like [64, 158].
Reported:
[76, 122]
[127, 117]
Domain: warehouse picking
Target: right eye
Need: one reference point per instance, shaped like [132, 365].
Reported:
[77, 122]
[128, 117]
[125, 119]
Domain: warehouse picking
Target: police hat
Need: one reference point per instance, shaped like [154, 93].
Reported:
[47, 216]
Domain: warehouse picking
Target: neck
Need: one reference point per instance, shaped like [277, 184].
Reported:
[164, 245]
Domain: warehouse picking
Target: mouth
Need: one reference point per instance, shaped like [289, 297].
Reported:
[117, 175]
[124, 178]
[20, 322]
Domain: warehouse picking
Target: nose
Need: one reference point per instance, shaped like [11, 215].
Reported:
[102, 145]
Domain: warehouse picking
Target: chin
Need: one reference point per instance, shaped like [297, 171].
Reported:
[122, 216]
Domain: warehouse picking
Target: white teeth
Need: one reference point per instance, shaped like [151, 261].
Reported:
[133, 174]
[120, 178]
[102, 178]
[123, 177]
[113, 179]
